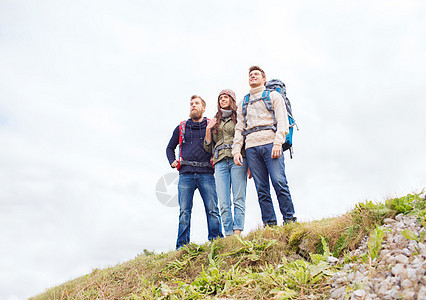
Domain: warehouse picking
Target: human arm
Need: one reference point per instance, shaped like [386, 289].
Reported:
[207, 145]
[280, 112]
[170, 150]
[238, 137]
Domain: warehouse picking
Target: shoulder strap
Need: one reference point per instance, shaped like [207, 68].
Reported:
[181, 141]
[267, 100]
[245, 103]
[182, 132]
[244, 108]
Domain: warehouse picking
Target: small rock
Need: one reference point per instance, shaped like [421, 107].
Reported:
[391, 260]
[407, 251]
[389, 221]
[411, 273]
[337, 293]
[422, 249]
[384, 288]
[408, 294]
[399, 217]
[397, 269]
[332, 260]
[402, 259]
[422, 293]
[359, 293]
[406, 284]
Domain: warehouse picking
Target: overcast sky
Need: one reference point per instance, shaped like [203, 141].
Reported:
[90, 92]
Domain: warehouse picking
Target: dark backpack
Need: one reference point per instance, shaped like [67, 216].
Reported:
[279, 86]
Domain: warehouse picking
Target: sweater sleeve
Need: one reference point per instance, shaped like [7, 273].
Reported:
[281, 117]
[238, 137]
[208, 147]
[174, 141]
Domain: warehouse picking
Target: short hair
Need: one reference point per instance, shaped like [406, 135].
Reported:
[258, 69]
[202, 100]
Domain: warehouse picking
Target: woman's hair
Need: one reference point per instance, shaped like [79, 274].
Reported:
[232, 106]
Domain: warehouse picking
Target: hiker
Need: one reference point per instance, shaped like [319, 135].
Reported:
[218, 140]
[195, 171]
[263, 145]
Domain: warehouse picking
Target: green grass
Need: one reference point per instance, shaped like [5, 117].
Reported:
[280, 262]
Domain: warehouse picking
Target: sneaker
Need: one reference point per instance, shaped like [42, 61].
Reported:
[270, 223]
[289, 221]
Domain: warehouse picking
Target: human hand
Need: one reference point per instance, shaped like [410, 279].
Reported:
[174, 164]
[238, 159]
[276, 151]
[249, 174]
[211, 124]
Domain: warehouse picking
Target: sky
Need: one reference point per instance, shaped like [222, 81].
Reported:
[90, 92]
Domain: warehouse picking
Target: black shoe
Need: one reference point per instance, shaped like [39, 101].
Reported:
[289, 221]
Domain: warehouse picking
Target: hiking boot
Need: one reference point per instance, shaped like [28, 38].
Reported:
[289, 221]
[270, 223]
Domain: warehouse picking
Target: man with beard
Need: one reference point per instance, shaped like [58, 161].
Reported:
[195, 171]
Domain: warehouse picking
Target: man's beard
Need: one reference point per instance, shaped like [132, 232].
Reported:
[196, 114]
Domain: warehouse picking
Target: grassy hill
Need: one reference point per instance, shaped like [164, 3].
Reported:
[280, 262]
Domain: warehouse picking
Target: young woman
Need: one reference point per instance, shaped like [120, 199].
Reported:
[218, 140]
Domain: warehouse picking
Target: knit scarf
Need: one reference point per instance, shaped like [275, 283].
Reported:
[226, 113]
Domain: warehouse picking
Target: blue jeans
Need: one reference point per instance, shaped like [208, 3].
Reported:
[262, 166]
[227, 175]
[187, 185]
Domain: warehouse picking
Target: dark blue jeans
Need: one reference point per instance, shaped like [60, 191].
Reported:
[205, 183]
[262, 166]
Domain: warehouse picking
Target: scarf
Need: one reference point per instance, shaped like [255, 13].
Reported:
[226, 113]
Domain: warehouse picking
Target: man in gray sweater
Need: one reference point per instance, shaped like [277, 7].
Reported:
[263, 143]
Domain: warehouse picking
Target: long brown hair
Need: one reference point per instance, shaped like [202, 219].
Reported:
[218, 116]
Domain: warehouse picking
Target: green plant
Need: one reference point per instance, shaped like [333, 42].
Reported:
[409, 234]
[320, 257]
[251, 250]
[344, 240]
[296, 238]
[146, 252]
[190, 252]
[411, 203]
[369, 214]
[375, 241]
[422, 217]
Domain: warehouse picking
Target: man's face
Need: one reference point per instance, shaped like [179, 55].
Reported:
[224, 101]
[256, 79]
[197, 109]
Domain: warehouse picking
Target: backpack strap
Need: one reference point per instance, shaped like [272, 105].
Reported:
[244, 108]
[204, 164]
[181, 141]
[218, 148]
[268, 104]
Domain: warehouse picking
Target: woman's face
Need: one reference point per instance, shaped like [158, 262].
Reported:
[225, 101]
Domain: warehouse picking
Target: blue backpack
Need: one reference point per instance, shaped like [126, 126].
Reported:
[279, 86]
